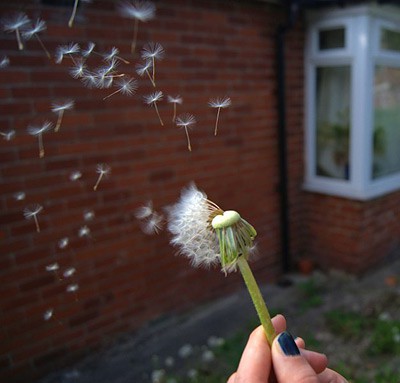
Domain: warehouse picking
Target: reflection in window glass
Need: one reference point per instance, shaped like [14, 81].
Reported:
[386, 138]
[331, 39]
[333, 122]
[390, 40]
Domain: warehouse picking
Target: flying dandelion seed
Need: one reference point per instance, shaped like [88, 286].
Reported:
[126, 86]
[17, 23]
[139, 11]
[104, 170]
[72, 288]
[60, 108]
[152, 52]
[174, 100]
[8, 136]
[89, 49]
[68, 273]
[84, 231]
[153, 224]
[186, 121]
[53, 267]
[114, 55]
[219, 103]
[48, 314]
[152, 99]
[38, 131]
[4, 62]
[63, 243]
[88, 215]
[19, 196]
[141, 69]
[144, 211]
[79, 69]
[66, 50]
[75, 175]
[32, 212]
[74, 9]
[90, 80]
[38, 27]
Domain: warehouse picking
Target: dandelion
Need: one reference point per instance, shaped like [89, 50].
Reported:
[152, 99]
[208, 235]
[186, 121]
[126, 86]
[139, 11]
[32, 212]
[63, 243]
[75, 175]
[104, 170]
[8, 136]
[60, 108]
[38, 27]
[64, 50]
[74, 9]
[169, 361]
[19, 196]
[38, 131]
[219, 103]
[185, 351]
[17, 23]
[157, 376]
[174, 100]
[48, 314]
[84, 231]
[4, 62]
[152, 52]
[207, 356]
[141, 69]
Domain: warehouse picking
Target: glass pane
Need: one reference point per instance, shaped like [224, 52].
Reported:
[331, 39]
[390, 40]
[386, 138]
[333, 122]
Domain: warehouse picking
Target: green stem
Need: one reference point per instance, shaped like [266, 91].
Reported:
[257, 299]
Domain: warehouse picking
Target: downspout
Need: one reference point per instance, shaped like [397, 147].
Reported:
[282, 147]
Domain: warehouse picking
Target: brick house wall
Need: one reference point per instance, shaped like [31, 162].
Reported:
[127, 278]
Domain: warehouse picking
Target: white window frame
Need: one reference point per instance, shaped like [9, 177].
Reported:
[361, 52]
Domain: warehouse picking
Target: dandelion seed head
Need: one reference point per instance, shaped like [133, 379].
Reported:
[8, 136]
[84, 231]
[32, 211]
[63, 243]
[103, 169]
[19, 196]
[153, 97]
[144, 211]
[207, 356]
[53, 267]
[62, 105]
[140, 10]
[4, 62]
[185, 120]
[75, 175]
[157, 376]
[39, 26]
[185, 351]
[175, 99]
[220, 102]
[17, 21]
[153, 51]
[68, 273]
[48, 314]
[37, 130]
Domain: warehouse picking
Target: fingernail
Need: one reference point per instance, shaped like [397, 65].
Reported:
[288, 346]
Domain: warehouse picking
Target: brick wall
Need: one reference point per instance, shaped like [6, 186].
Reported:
[127, 278]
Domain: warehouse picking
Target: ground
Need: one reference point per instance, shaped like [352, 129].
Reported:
[355, 321]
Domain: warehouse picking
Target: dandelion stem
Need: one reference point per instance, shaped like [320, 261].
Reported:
[216, 122]
[154, 69]
[188, 139]
[151, 79]
[72, 18]
[174, 115]
[19, 41]
[36, 223]
[98, 181]
[43, 47]
[135, 32]
[158, 114]
[257, 298]
[59, 120]
[112, 94]
[41, 146]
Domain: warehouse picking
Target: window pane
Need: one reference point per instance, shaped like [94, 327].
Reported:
[331, 39]
[333, 121]
[390, 40]
[386, 139]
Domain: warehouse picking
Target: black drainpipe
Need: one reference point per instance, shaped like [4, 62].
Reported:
[282, 157]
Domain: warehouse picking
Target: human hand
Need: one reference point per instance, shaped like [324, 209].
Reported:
[286, 362]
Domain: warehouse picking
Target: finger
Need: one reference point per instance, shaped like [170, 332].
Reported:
[232, 378]
[300, 342]
[330, 376]
[317, 361]
[279, 323]
[289, 365]
[255, 364]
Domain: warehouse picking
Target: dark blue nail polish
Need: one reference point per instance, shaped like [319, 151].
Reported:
[288, 345]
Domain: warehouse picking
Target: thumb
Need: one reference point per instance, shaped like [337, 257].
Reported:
[289, 365]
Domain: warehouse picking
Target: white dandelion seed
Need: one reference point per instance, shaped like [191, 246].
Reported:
[144, 68]
[152, 52]
[84, 231]
[86, 52]
[38, 26]
[139, 11]
[90, 80]
[72, 288]
[103, 170]
[75, 175]
[74, 9]
[4, 62]
[185, 351]
[16, 23]
[144, 211]
[59, 108]
[48, 314]
[186, 121]
[88, 215]
[38, 131]
[53, 267]
[8, 136]
[19, 196]
[126, 86]
[114, 55]
[32, 212]
[63, 243]
[152, 99]
[219, 103]
[64, 50]
[68, 273]
[79, 69]
[153, 224]
[174, 100]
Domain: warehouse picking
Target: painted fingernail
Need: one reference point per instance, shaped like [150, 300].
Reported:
[288, 346]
